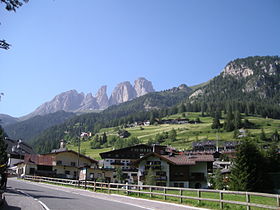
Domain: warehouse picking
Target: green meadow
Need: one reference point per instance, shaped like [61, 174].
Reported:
[186, 133]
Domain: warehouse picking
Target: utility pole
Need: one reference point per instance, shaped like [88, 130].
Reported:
[78, 162]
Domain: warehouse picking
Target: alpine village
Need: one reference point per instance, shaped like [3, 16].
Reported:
[220, 135]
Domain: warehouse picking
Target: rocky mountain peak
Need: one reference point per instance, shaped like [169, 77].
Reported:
[123, 92]
[72, 101]
[102, 98]
[246, 67]
[143, 86]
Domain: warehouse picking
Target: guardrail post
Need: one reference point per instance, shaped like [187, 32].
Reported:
[248, 200]
[221, 200]
[150, 191]
[126, 187]
[278, 200]
[199, 196]
[181, 193]
[164, 192]
[109, 188]
[94, 187]
[138, 187]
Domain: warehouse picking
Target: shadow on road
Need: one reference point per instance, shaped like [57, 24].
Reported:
[34, 194]
[5, 206]
[29, 190]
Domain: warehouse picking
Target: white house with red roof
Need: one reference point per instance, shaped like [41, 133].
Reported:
[190, 171]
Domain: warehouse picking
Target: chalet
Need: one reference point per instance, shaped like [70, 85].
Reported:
[209, 145]
[204, 145]
[61, 163]
[124, 158]
[16, 149]
[176, 170]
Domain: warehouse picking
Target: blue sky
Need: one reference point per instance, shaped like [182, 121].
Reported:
[58, 45]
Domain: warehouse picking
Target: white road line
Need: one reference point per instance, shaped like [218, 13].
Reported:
[68, 190]
[44, 205]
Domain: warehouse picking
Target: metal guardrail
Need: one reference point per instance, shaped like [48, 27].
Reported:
[163, 191]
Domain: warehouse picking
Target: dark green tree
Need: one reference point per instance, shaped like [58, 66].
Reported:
[229, 122]
[218, 180]
[237, 120]
[216, 122]
[182, 108]
[10, 5]
[247, 172]
[104, 138]
[3, 153]
[172, 135]
[263, 135]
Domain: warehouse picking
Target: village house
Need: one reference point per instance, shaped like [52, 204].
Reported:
[16, 149]
[190, 171]
[124, 159]
[60, 163]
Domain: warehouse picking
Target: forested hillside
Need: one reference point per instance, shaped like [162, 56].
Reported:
[28, 129]
[145, 107]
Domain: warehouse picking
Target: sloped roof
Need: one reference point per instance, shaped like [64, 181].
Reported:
[24, 147]
[38, 159]
[179, 159]
[74, 152]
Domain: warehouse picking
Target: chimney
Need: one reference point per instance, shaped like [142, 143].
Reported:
[62, 144]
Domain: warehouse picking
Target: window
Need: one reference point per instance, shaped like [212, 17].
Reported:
[73, 164]
[59, 162]
[67, 172]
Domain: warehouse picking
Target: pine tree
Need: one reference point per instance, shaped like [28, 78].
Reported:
[262, 135]
[172, 135]
[216, 122]
[218, 180]
[3, 153]
[237, 120]
[246, 173]
[229, 124]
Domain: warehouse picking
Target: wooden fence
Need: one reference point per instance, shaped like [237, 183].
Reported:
[165, 192]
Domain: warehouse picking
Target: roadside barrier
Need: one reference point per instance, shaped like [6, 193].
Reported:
[217, 196]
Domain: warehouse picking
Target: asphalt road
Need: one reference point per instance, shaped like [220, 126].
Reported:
[24, 195]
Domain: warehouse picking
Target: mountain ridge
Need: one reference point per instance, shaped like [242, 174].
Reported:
[72, 101]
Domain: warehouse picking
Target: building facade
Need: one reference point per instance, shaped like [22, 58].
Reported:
[176, 170]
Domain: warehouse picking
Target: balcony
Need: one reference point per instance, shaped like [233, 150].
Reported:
[154, 167]
[119, 163]
[161, 178]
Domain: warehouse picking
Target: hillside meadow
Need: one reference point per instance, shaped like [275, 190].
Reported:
[186, 133]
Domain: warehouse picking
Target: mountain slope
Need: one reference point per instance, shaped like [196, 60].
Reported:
[7, 119]
[30, 128]
[253, 78]
[115, 115]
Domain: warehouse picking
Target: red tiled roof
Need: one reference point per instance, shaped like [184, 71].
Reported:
[189, 160]
[81, 155]
[180, 159]
[38, 159]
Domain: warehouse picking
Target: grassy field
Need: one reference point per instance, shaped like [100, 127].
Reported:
[186, 133]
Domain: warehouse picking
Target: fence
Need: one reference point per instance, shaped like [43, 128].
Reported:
[216, 196]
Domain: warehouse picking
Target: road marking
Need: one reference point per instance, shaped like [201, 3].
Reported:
[44, 205]
[74, 191]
